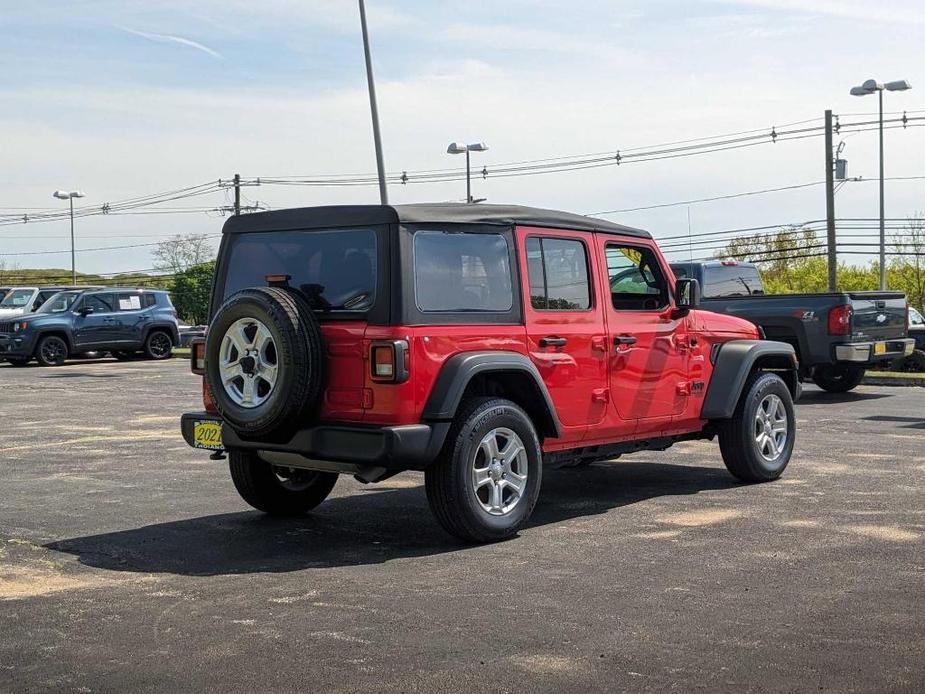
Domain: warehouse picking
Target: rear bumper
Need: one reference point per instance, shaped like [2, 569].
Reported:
[863, 352]
[408, 447]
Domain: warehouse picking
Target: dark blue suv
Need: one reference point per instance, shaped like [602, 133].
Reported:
[120, 321]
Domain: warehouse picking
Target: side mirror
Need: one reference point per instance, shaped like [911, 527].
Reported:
[85, 310]
[686, 295]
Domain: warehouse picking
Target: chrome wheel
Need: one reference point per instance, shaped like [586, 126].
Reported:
[771, 427]
[499, 471]
[248, 362]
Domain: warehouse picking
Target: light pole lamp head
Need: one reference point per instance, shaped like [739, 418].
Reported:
[68, 194]
[457, 148]
[897, 86]
[869, 87]
[477, 147]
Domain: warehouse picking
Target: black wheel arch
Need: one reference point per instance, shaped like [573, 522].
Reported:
[168, 328]
[504, 374]
[56, 332]
[735, 361]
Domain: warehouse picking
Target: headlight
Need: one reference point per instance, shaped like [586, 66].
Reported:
[20, 326]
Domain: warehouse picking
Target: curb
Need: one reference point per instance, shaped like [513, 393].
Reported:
[895, 382]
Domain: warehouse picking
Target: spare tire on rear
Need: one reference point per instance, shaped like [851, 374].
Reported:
[264, 365]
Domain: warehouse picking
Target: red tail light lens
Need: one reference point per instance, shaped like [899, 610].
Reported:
[384, 362]
[840, 320]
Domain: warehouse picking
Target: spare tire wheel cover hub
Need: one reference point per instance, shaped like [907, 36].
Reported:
[248, 362]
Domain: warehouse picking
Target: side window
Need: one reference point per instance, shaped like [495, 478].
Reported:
[128, 301]
[100, 303]
[149, 300]
[636, 279]
[462, 272]
[557, 270]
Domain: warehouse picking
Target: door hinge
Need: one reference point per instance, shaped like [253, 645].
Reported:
[600, 394]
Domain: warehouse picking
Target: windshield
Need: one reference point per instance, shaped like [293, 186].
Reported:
[59, 303]
[731, 280]
[17, 298]
[335, 270]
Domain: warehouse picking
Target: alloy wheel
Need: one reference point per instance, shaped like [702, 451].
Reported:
[499, 471]
[771, 427]
[248, 362]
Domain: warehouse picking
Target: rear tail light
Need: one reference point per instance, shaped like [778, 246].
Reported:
[840, 320]
[198, 356]
[389, 361]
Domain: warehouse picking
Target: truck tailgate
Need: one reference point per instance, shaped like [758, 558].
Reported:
[878, 315]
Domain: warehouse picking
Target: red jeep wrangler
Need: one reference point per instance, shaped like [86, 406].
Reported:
[477, 343]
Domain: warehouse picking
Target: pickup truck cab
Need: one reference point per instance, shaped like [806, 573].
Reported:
[477, 343]
[75, 321]
[836, 335]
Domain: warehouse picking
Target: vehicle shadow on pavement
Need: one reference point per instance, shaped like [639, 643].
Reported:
[367, 528]
[822, 397]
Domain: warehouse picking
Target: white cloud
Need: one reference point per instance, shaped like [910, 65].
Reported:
[898, 11]
[170, 38]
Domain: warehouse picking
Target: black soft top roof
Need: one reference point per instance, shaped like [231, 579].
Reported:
[421, 213]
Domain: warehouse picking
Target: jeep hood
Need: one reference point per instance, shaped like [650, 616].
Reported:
[9, 312]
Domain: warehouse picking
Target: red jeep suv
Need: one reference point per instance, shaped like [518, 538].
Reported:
[477, 343]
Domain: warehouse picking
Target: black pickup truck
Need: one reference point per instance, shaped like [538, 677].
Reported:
[836, 335]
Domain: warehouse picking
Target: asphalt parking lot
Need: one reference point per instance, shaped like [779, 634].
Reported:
[128, 562]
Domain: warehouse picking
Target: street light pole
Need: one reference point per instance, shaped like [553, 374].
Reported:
[869, 87]
[460, 148]
[374, 110]
[882, 213]
[73, 256]
[69, 195]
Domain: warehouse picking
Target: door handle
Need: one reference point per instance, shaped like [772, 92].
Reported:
[553, 342]
[624, 340]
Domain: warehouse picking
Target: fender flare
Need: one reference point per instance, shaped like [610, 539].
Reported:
[734, 361]
[168, 327]
[460, 369]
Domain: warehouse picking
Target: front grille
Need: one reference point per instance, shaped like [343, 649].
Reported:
[6, 327]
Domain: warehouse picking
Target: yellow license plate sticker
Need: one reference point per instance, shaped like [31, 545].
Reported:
[207, 435]
[880, 348]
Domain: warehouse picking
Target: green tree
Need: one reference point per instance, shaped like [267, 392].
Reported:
[906, 271]
[190, 291]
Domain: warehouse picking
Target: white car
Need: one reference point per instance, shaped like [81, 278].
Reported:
[20, 300]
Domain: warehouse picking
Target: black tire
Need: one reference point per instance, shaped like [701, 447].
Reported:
[295, 397]
[914, 363]
[278, 491]
[51, 351]
[741, 452]
[451, 490]
[158, 345]
[18, 362]
[122, 355]
[838, 378]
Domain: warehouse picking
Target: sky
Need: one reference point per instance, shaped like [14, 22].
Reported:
[131, 98]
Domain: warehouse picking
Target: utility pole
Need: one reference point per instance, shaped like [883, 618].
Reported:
[830, 202]
[377, 138]
[237, 194]
[882, 221]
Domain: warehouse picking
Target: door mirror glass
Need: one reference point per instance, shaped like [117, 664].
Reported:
[687, 293]
[85, 310]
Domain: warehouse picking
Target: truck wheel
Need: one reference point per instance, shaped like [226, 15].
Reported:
[485, 482]
[838, 378]
[264, 361]
[159, 345]
[51, 351]
[276, 490]
[757, 442]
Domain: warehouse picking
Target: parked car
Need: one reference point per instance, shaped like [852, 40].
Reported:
[476, 343]
[22, 300]
[915, 362]
[836, 335]
[78, 321]
[188, 333]
[917, 328]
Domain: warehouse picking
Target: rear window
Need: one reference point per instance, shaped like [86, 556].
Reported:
[731, 280]
[457, 271]
[336, 270]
